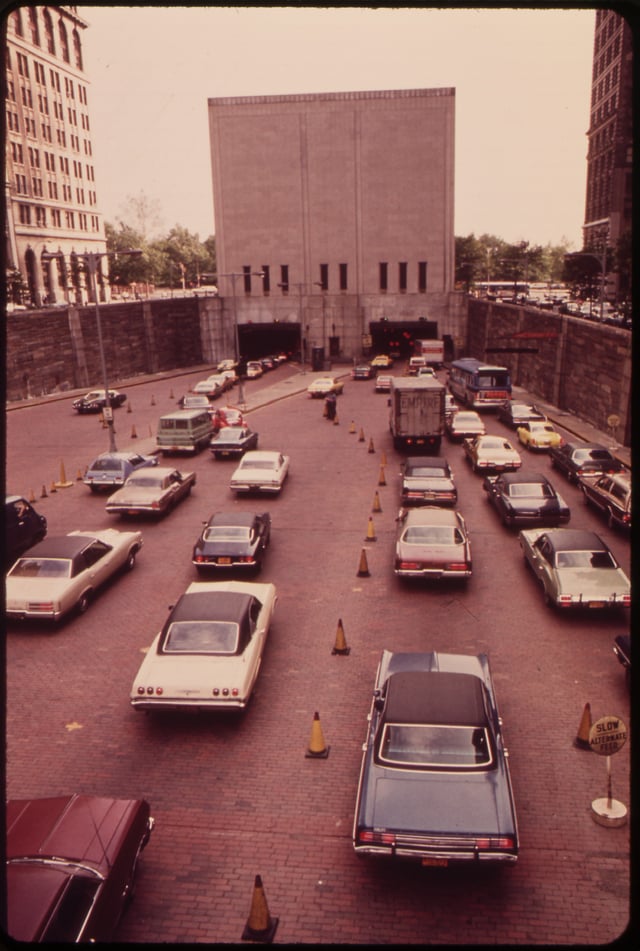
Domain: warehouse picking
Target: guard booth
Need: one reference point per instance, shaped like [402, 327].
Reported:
[317, 358]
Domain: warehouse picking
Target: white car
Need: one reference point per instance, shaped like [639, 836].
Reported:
[492, 453]
[324, 385]
[62, 573]
[210, 388]
[254, 369]
[222, 380]
[208, 653]
[260, 471]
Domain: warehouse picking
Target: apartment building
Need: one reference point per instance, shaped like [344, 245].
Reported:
[335, 211]
[50, 189]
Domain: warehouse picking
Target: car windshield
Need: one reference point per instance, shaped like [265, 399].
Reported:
[467, 418]
[232, 432]
[258, 464]
[227, 533]
[529, 490]
[433, 535]
[42, 568]
[146, 481]
[585, 559]
[599, 455]
[489, 442]
[102, 465]
[427, 745]
[426, 472]
[201, 637]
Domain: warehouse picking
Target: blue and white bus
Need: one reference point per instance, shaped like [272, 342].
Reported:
[478, 384]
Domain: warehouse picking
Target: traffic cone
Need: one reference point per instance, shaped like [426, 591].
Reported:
[371, 532]
[318, 749]
[52, 488]
[352, 427]
[383, 458]
[363, 569]
[361, 436]
[79, 475]
[43, 494]
[381, 478]
[134, 434]
[376, 507]
[260, 925]
[129, 410]
[340, 646]
[64, 482]
[171, 396]
[336, 421]
[153, 400]
[371, 449]
[582, 739]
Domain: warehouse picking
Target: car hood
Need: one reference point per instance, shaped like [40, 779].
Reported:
[410, 801]
[592, 582]
[133, 494]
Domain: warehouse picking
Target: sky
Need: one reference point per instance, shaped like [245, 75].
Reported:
[522, 80]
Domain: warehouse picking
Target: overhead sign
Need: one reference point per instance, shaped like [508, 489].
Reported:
[607, 736]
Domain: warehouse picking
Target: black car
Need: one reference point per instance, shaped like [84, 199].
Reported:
[232, 540]
[622, 650]
[233, 441]
[515, 413]
[23, 527]
[95, 401]
[526, 498]
[434, 782]
[428, 480]
[585, 460]
[363, 371]
[70, 866]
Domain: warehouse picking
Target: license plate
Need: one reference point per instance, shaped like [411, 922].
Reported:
[596, 604]
[224, 561]
[132, 512]
[437, 863]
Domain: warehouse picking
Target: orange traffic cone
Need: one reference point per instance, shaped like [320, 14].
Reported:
[32, 496]
[340, 646]
[318, 749]
[134, 434]
[363, 569]
[383, 458]
[582, 738]
[79, 475]
[171, 396]
[260, 925]
[336, 421]
[381, 478]
[64, 482]
[376, 507]
[371, 449]
[43, 494]
[52, 488]
[153, 400]
[371, 532]
[129, 410]
[352, 427]
[361, 436]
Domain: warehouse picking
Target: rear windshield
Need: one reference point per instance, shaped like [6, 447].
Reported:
[426, 745]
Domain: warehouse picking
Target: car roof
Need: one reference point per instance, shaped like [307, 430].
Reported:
[118, 456]
[573, 539]
[430, 462]
[435, 697]
[432, 515]
[523, 477]
[217, 605]
[245, 519]
[59, 546]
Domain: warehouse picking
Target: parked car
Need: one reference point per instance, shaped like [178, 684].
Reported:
[539, 435]
[622, 650]
[70, 866]
[516, 413]
[23, 527]
[254, 369]
[209, 651]
[382, 360]
[232, 540]
[584, 460]
[383, 383]
[463, 424]
[209, 388]
[434, 782]
[491, 453]
[63, 572]
[260, 471]
[151, 492]
[323, 385]
[575, 568]
[196, 401]
[610, 494]
[233, 441]
[432, 543]
[224, 380]
[526, 498]
[227, 416]
[426, 371]
[227, 364]
[363, 371]
[450, 406]
[268, 363]
[95, 400]
[427, 480]
[110, 470]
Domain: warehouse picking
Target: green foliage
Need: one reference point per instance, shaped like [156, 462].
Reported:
[178, 260]
[487, 258]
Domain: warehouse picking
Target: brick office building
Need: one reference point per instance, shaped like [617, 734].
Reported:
[50, 190]
[344, 202]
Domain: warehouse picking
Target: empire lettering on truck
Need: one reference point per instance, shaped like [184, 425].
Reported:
[416, 415]
[431, 350]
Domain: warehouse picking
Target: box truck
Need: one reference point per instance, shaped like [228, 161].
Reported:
[416, 413]
[431, 350]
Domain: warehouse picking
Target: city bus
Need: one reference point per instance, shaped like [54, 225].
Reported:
[479, 384]
[501, 290]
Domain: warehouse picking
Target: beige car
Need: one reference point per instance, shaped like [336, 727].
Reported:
[151, 492]
[611, 493]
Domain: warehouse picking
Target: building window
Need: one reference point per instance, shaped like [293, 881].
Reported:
[343, 276]
[24, 212]
[422, 276]
[48, 32]
[64, 41]
[384, 275]
[324, 277]
[77, 49]
[284, 278]
[33, 23]
[246, 271]
[266, 279]
[402, 277]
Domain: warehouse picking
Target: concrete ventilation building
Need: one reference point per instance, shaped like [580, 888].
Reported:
[608, 208]
[344, 203]
[50, 190]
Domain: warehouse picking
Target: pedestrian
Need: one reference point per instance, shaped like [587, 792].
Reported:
[330, 405]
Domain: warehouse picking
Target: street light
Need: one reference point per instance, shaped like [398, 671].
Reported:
[323, 288]
[91, 259]
[233, 276]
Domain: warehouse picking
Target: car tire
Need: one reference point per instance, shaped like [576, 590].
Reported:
[83, 602]
[130, 560]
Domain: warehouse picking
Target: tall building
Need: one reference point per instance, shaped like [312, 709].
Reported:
[608, 207]
[50, 191]
[344, 203]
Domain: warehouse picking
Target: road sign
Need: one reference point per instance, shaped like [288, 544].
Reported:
[607, 736]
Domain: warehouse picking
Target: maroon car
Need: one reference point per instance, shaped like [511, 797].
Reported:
[71, 863]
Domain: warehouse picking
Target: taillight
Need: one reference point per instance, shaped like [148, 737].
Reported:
[155, 504]
[150, 691]
[457, 566]
[409, 565]
[495, 842]
[40, 605]
[368, 837]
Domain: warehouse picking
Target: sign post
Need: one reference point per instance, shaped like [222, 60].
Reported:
[606, 737]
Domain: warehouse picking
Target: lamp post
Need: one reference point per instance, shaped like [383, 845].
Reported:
[233, 276]
[322, 287]
[91, 260]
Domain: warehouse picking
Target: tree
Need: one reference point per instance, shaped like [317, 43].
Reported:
[144, 212]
